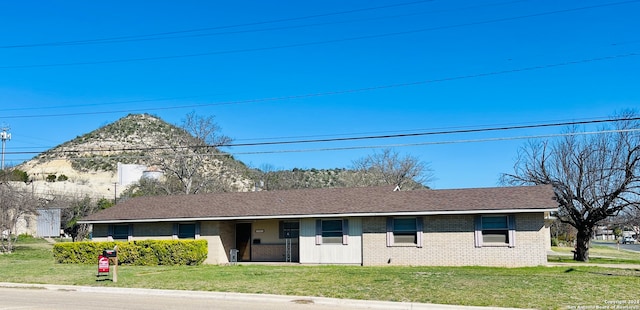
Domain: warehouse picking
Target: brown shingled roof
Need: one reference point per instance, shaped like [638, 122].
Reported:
[360, 201]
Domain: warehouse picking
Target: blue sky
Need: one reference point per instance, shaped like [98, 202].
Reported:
[291, 70]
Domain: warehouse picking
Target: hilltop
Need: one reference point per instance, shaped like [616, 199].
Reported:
[88, 164]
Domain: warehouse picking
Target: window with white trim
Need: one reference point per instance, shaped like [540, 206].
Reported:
[404, 231]
[332, 231]
[495, 230]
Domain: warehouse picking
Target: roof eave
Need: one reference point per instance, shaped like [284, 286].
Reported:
[326, 215]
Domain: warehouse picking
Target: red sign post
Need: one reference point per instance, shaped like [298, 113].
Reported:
[103, 264]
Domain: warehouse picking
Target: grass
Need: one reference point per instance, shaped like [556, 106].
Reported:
[599, 254]
[533, 287]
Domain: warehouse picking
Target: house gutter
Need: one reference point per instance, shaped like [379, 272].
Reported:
[326, 215]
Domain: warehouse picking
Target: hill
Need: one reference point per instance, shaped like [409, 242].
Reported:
[88, 164]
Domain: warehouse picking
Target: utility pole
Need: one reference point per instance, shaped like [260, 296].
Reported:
[115, 193]
[4, 136]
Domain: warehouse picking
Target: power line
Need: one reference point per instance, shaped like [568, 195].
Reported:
[176, 34]
[437, 142]
[391, 132]
[100, 104]
[346, 148]
[407, 135]
[295, 45]
[141, 37]
[339, 92]
[377, 137]
[426, 129]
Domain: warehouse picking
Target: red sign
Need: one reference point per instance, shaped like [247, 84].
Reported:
[103, 264]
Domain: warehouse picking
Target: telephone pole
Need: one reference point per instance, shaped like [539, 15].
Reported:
[4, 136]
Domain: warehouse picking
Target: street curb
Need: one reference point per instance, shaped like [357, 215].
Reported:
[365, 304]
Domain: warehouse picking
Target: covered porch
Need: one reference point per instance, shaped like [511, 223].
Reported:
[267, 241]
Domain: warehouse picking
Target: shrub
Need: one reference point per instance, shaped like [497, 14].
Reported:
[16, 175]
[51, 178]
[138, 253]
[62, 178]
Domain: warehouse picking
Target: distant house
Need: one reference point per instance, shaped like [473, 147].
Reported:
[367, 226]
[604, 233]
[42, 223]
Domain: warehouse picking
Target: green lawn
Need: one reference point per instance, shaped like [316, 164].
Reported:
[599, 254]
[535, 287]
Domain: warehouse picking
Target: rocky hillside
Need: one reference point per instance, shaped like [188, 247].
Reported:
[88, 164]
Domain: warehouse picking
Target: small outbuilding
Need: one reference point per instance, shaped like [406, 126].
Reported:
[368, 226]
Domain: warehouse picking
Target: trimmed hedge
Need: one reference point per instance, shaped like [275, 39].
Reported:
[137, 253]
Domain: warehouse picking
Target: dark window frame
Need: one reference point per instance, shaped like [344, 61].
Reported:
[120, 231]
[291, 227]
[327, 231]
[398, 236]
[184, 230]
[495, 230]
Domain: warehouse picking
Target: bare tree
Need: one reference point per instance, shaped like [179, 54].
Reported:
[390, 168]
[14, 204]
[188, 160]
[150, 187]
[266, 177]
[594, 176]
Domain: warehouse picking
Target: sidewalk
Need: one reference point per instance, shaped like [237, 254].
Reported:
[257, 298]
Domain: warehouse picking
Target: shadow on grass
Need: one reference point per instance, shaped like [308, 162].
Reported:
[592, 260]
[613, 273]
[103, 278]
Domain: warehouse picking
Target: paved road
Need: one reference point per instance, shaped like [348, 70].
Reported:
[20, 298]
[63, 297]
[629, 247]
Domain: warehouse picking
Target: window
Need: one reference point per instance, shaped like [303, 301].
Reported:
[289, 229]
[186, 230]
[332, 231]
[120, 232]
[404, 231]
[495, 230]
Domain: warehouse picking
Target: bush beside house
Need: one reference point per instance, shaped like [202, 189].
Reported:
[138, 253]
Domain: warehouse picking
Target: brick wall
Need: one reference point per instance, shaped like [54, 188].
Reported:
[448, 240]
